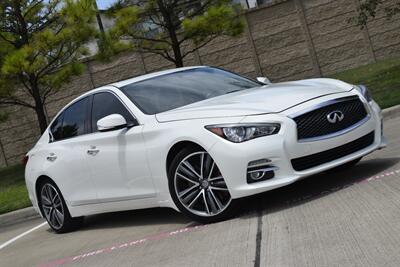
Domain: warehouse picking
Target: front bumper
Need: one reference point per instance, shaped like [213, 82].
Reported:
[280, 149]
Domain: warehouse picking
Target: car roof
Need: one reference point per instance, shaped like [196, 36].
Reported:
[152, 75]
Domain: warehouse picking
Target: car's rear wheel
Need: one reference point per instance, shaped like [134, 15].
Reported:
[198, 187]
[55, 210]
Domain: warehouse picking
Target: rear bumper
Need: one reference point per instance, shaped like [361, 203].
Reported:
[280, 149]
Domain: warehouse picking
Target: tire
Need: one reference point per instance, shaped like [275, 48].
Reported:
[199, 193]
[347, 165]
[54, 209]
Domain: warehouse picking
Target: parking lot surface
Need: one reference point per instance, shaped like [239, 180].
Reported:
[338, 218]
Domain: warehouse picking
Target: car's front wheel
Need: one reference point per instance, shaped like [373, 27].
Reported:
[198, 187]
[55, 210]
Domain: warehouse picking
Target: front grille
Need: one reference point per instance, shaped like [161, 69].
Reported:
[314, 124]
[314, 160]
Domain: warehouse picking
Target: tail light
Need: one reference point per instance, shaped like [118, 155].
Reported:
[25, 160]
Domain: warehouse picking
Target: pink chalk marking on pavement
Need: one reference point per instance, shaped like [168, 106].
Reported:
[122, 246]
[369, 179]
[193, 228]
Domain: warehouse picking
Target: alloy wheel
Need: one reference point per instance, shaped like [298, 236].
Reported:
[52, 206]
[199, 185]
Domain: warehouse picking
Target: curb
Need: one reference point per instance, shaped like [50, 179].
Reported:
[30, 213]
[18, 216]
[391, 112]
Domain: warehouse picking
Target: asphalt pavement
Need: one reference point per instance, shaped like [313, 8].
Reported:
[338, 218]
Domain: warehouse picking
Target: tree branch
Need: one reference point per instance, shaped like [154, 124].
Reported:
[14, 101]
[32, 7]
[25, 85]
[198, 47]
[159, 52]
[6, 40]
[149, 39]
[51, 62]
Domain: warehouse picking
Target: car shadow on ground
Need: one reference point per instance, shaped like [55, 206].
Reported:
[316, 186]
[156, 216]
[309, 189]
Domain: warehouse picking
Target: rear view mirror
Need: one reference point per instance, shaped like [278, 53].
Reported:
[111, 122]
[263, 80]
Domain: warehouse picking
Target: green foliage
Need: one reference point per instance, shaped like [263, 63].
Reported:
[369, 8]
[41, 44]
[108, 46]
[13, 192]
[173, 29]
[382, 79]
[218, 20]
[126, 19]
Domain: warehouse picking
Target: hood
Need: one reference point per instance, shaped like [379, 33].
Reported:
[273, 98]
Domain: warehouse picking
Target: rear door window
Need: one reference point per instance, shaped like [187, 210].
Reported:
[74, 123]
[71, 122]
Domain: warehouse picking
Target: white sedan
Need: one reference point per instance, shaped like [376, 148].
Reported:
[194, 139]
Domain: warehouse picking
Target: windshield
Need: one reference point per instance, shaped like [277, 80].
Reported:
[182, 88]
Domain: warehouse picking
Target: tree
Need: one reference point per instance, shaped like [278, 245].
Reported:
[41, 42]
[173, 29]
[368, 9]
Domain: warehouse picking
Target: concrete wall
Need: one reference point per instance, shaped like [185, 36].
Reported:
[286, 40]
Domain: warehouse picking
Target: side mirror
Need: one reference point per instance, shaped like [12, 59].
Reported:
[263, 80]
[111, 122]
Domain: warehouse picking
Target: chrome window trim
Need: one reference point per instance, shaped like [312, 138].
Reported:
[91, 94]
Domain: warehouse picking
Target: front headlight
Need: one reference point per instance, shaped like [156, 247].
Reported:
[243, 132]
[365, 92]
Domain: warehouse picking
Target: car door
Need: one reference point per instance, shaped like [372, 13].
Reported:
[119, 165]
[67, 157]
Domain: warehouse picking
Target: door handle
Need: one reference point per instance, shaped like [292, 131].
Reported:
[51, 157]
[93, 151]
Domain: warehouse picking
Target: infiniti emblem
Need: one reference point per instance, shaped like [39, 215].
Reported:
[335, 116]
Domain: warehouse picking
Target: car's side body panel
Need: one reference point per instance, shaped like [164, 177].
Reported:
[117, 175]
[76, 182]
[119, 169]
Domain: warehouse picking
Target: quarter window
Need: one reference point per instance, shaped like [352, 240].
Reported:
[56, 128]
[105, 104]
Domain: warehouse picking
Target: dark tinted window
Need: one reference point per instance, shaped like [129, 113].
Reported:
[75, 119]
[178, 89]
[56, 128]
[105, 104]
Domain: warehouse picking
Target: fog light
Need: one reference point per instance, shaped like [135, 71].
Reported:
[257, 175]
[260, 170]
